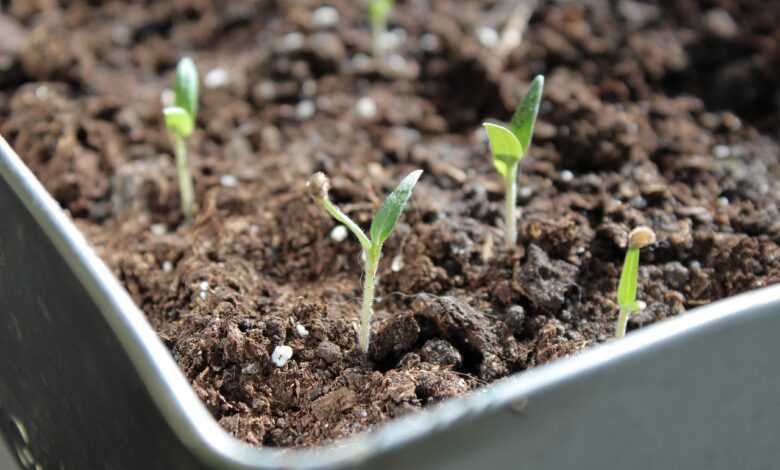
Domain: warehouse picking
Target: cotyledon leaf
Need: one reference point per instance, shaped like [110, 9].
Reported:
[387, 215]
[505, 147]
[178, 121]
[524, 119]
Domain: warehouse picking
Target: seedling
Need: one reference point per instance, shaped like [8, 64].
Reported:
[381, 227]
[639, 238]
[180, 121]
[378, 11]
[509, 143]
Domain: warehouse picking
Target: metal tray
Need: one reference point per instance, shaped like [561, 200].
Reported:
[86, 384]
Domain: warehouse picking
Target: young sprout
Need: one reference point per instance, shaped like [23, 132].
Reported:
[378, 11]
[639, 238]
[180, 121]
[381, 227]
[509, 143]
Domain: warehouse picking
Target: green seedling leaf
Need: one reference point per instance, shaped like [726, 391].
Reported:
[379, 10]
[524, 119]
[387, 216]
[186, 87]
[178, 121]
[628, 280]
[505, 146]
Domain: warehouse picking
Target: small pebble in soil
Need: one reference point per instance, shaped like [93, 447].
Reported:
[281, 355]
[251, 368]
[392, 40]
[167, 266]
[525, 192]
[167, 97]
[228, 181]
[328, 352]
[305, 110]
[324, 103]
[441, 353]
[397, 64]
[719, 23]
[398, 263]
[366, 107]
[292, 41]
[158, 229]
[301, 330]
[731, 121]
[216, 78]
[638, 202]
[637, 14]
[339, 233]
[325, 17]
[121, 34]
[721, 151]
[265, 90]
[487, 36]
[515, 319]
[361, 62]
[309, 88]
[480, 135]
[42, 93]
[430, 42]
[567, 176]
[204, 289]
[723, 201]
[676, 275]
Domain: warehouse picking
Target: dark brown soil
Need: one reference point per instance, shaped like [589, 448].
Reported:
[659, 114]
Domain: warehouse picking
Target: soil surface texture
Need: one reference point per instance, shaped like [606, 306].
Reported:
[661, 114]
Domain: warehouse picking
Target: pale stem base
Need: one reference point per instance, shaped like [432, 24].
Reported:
[367, 311]
[378, 31]
[187, 194]
[620, 328]
[510, 223]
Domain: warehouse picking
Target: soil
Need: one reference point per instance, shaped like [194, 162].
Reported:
[664, 114]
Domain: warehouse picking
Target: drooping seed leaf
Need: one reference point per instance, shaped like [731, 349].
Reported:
[626, 295]
[524, 119]
[178, 121]
[387, 215]
[504, 146]
[186, 87]
[379, 9]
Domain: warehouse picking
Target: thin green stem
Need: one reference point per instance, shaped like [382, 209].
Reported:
[627, 290]
[369, 283]
[378, 30]
[336, 213]
[187, 194]
[510, 223]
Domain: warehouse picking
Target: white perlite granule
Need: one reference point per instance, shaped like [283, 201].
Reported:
[281, 355]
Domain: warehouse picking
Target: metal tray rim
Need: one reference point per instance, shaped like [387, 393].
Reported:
[199, 432]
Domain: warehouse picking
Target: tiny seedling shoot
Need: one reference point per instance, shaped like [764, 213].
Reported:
[180, 121]
[378, 11]
[639, 238]
[509, 143]
[381, 227]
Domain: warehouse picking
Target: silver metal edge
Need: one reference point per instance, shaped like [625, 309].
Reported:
[197, 429]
